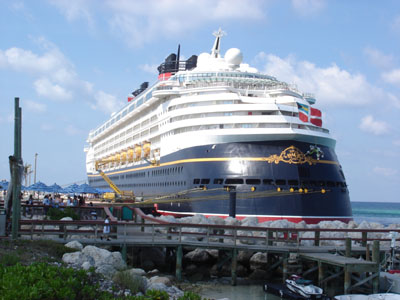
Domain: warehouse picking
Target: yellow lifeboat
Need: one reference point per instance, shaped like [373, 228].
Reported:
[146, 149]
[123, 157]
[138, 152]
[130, 154]
[117, 158]
[111, 160]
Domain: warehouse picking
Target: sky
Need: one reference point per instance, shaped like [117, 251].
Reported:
[72, 63]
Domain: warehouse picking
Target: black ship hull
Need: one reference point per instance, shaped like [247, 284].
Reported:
[272, 180]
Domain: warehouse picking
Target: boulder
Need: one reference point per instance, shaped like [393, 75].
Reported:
[86, 265]
[74, 245]
[107, 271]
[198, 255]
[136, 271]
[77, 258]
[104, 257]
[160, 279]
[259, 260]
[243, 257]
[154, 255]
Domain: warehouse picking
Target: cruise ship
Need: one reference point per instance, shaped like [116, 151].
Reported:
[211, 126]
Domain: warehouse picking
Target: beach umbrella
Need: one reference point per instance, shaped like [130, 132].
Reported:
[55, 188]
[86, 189]
[4, 185]
[71, 188]
[37, 187]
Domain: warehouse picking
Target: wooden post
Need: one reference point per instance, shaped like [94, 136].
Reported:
[234, 266]
[270, 237]
[367, 253]
[375, 258]
[123, 252]
[348, 247]
[320, 273]
[364, 238]
[285, 266]
[347, 274]
[347, 280]
[178, 272]
[316, 236]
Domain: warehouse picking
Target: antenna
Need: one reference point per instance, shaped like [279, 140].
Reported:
[215, 49]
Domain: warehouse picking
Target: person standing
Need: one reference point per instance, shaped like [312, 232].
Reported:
[106, 229]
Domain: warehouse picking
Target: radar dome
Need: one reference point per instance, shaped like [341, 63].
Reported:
[203, 59]
[234, 56]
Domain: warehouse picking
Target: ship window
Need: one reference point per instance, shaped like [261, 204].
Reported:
[293, 182]
[313, 183]
[321, 183]
[218, 181]
[253, 181]
[196, 181]
[234, 181]
[268, 181]
[280, 182]
[205, 181]
[330, 183]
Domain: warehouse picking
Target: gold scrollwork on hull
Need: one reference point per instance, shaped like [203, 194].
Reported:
[291, 155]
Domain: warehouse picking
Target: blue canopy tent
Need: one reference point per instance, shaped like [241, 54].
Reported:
[55, 188]
[105, 190]
[37, 187]
[4, 185]
[71, 189]
[86, 189]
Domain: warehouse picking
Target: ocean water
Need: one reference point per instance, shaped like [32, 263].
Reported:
[380, 212]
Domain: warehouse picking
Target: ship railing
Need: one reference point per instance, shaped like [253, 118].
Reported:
[206, 235]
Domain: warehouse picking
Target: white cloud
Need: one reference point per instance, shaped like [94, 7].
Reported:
[378, 59]
[308, 7]
[392, 77]
[152, 69]
[35, 106]
[106, 102]
[387, 172]
[370, 125]
[75, 9]
[332, 85]
[44, 87]
[139, 22]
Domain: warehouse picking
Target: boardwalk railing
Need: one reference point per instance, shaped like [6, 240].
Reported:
[207, 234]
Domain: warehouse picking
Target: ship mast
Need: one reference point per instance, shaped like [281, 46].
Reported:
[215, 49]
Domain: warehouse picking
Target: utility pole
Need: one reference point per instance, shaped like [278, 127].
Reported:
[16, 165]
[34, 174]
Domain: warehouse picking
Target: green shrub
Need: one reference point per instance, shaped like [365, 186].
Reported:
[43, 281]
[58, 214]
[157, 295]
[9, 259]
[132, 282]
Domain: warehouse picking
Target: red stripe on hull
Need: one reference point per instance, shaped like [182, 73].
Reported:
[308, 220]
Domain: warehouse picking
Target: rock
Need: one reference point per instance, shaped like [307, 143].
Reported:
[158, 279]
[198, 255]
[153, 272]
[99, 255]
[258, 261]
[214, 253]
[74, 245]
[86, 265]
[154, 255]
[116, 261]
[107, 271]
[250, 221]
[191, 269]
[243, 257]
[136, 271]
[77, 258]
